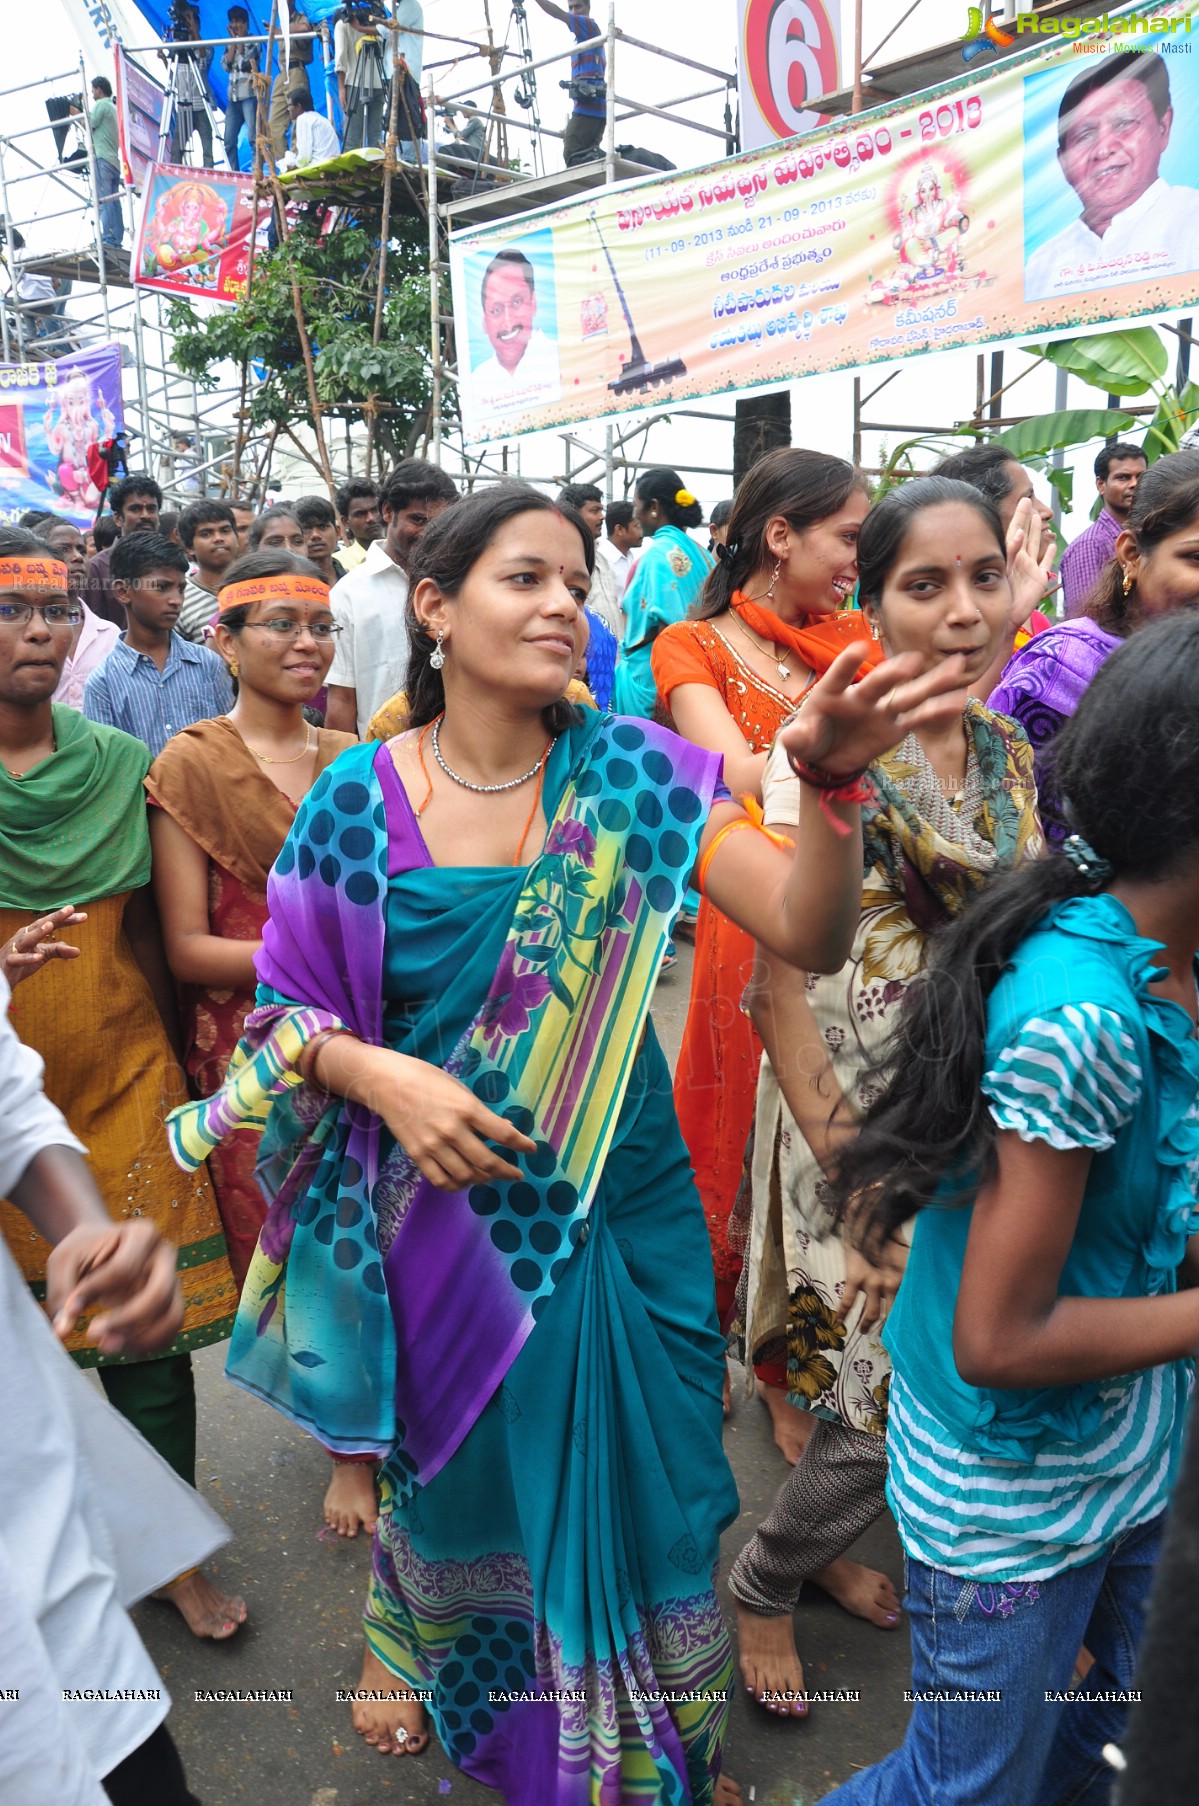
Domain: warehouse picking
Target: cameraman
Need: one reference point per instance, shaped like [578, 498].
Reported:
[191, 84]
[241, 64]
[362, 58]
[585, 127]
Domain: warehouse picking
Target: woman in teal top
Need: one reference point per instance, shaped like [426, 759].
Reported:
[666, 580]
[1043, 1121]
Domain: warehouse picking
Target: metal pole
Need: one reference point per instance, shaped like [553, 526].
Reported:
[609, 462]
[12, 268]
[434, 290]
[855, 105]
[610, 102]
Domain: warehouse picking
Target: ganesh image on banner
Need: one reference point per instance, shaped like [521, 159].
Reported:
[927, 209]
[188, 229]
[74, 439]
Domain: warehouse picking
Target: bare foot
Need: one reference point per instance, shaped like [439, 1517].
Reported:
[207, 1612]
[862, 1591]
[791, 1426]
[727, 1792]
[395, 1726]
[350, 1503]
[770, 1667]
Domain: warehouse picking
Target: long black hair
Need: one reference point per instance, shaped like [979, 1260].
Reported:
[445, 554]
[1166, 502]
[664, 486]
[805, 487]
[1133, 738]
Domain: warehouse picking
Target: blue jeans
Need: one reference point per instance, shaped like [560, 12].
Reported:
[239, 113]
[108, 188]
[1022, 1641]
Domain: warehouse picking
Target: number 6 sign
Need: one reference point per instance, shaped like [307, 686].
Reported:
[789, 55]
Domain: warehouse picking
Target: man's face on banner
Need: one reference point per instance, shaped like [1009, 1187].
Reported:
[509, 311]
[1112, 147]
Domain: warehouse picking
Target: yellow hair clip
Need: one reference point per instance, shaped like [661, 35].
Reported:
[684, 498]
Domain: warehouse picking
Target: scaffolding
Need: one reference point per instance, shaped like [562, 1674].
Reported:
[198, 442]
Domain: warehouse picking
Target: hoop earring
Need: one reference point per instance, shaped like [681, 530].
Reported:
[774, 577]
[437, 656]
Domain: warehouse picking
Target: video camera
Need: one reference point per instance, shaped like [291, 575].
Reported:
[361, 13]
[183, 23]
[585, 90]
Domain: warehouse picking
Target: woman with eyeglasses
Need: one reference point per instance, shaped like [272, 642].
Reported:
[73, 831]
[226, 792]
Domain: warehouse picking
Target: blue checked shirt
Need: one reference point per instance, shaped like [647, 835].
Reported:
[130, 692]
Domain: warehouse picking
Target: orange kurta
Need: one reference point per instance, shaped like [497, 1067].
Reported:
[716, 1078]
[111, 1072]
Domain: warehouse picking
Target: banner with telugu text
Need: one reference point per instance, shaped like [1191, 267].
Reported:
[51, 416]
[953, 218]
[195, 232]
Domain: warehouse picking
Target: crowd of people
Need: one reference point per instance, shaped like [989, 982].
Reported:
[357, 831]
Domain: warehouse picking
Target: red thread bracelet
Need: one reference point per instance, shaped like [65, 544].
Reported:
[834, 787]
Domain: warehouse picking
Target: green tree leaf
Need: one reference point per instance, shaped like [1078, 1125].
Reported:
[1119, 363]
[1044, 433]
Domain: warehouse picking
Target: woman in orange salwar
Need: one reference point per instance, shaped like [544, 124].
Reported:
[770, 621]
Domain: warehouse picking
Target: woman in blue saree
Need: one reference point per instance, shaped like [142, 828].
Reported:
[666, 581]
[484, 1257]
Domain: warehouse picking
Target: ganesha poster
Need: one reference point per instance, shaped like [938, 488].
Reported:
[195, 232]
[55, 420]
[1054, 187]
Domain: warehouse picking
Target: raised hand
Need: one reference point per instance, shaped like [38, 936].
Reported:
[1031, 549]
[33, 946]
[842, 726]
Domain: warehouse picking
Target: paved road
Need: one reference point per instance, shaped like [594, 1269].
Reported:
[305, 1595]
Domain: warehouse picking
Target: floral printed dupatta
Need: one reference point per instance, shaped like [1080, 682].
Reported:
[374, 1311]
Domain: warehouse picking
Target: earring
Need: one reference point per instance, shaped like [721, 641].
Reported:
[1129, 580]
[233, 667]
[875, 634]
[774, 577]
[437, 656]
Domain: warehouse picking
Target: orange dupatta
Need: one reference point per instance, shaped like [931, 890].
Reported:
[817, 640]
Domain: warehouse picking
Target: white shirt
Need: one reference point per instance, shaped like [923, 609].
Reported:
[1158, 235]
[536, 379]
[372, 648]
[346, 41]
[313, 139]
[603, 598]
[619, 563]
[90, 1520]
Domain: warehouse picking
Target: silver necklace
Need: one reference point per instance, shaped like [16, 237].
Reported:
[485, 789]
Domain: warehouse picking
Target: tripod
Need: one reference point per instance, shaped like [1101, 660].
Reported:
[366, 97]
[525, 91]
[186, 109]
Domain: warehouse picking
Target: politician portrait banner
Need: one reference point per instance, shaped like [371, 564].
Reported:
[195, 232]
[54, 419]
[1058, 189]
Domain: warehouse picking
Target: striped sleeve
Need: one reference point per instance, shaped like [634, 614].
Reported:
[1070, 1078]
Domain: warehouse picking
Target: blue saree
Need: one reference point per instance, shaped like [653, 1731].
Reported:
[666, 582]
[539, 1361]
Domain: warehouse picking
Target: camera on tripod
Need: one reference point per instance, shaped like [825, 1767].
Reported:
[360, 13]
[183, 23]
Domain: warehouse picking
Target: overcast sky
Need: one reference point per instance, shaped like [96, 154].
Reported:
[928, 390]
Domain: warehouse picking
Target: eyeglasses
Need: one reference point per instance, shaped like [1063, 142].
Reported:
[283, 629]
[54, 614]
